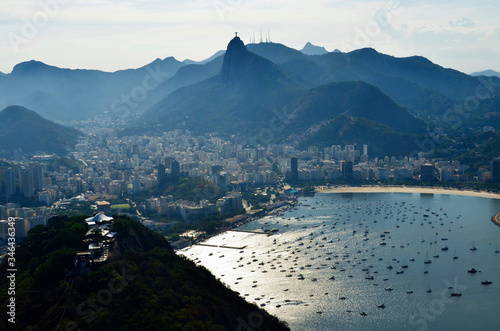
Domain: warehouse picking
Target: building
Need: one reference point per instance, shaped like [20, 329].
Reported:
[162, 176]
[427, 172]
[382, 174]
[10, 181]
[347, 169]
[37, 177]
[495, 169]
[295, 169]
[26, 183]
[175, 170]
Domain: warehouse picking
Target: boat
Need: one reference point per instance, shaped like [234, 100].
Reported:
[455, 255]
[427, 261]
[473, 248]
[486, 282]
[363, 313]
[444, 248]
[472, 270]
[388, 288]
[456, 294]
[381, 306]
[496, 249]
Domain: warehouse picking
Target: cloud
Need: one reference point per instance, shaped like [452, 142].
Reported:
[464, 21]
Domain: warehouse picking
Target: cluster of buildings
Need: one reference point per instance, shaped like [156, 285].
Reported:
[105, 164]
[191, 210]
[98, 238]
[25, 219]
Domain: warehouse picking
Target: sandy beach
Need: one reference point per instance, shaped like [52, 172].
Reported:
[404, 189]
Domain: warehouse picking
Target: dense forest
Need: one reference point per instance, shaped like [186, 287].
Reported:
[142, 285]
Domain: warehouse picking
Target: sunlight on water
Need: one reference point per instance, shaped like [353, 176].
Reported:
[356, 262]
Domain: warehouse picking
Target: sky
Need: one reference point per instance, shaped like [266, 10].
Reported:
[110, 35]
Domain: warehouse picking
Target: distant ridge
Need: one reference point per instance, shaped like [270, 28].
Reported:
[21, 128]
[310, 49]
[250, 90]
[486, 73]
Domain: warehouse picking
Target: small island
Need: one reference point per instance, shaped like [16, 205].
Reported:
[496, 219]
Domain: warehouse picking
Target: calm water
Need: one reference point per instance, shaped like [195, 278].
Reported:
[343, 235]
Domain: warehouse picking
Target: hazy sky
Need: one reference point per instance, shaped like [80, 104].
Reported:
[118, 34]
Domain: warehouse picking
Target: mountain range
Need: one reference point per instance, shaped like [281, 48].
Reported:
[24, 129]
[251, 90]
[242, 89]
[486, 73]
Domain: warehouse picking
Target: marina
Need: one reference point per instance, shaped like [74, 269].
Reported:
[330, 260]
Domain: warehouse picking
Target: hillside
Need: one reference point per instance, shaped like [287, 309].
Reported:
[67, 94]
[349, 130]
[24, 129]
[143, 286]
[245, 97]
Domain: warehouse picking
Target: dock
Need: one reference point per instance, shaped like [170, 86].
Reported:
[248, 231]
[222, 246]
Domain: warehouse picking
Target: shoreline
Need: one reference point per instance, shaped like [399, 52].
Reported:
[404, 189]
[496, 219]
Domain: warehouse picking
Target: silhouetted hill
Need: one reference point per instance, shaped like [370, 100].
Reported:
[241, 96]
[144, 285]
[310, 49]
[275, 52]
[244, 99]
[486, 73]
[186, 75]
[66, 94]
[413, 82]
[357, 99]
[485, 112]
[24, 129]
[346, 129]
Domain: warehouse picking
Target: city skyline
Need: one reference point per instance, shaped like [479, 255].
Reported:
[110, 35]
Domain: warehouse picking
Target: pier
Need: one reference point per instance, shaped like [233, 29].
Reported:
[249, 231]
[222, 246]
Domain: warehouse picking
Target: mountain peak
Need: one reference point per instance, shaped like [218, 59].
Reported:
[236, 59]
[310, 49]
[29, 67]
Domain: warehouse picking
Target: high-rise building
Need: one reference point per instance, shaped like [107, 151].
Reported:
[37, 177]
[162, 176]
[495, 169]
[347, 169]
[26, 182]
[10, 181]
[175, 169]
[365, 149]
[136, 186]
[427, 172]
[295, 169]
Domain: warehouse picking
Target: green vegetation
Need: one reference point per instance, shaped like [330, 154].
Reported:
[192, 189]
[24, 129]
[256, 198]
[144, 285]
[210, 225]
[120, 206]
